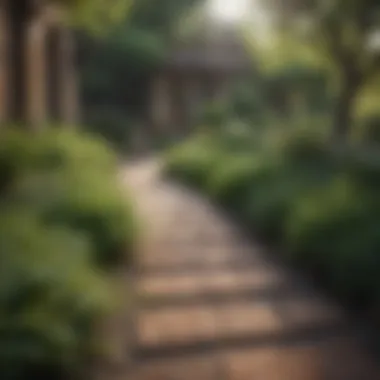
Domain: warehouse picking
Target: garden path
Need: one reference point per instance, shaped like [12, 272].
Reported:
[212, 305]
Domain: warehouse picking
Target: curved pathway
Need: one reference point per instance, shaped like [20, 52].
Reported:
[212, 306]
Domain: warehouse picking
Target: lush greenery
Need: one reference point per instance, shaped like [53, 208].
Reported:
[94, 15]
[65, 225]
[317, 201]
[343, 34]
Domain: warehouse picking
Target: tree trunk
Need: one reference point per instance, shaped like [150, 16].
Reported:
[344, 108]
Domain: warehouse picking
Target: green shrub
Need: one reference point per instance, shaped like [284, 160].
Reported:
[287, 169]
[304, 148]
[214, 115]
[369, 130]
[93, 205]
[246, 102]
[64, 223]
[269, 203]
[193, 162]
[363, 166]
[71, 181]
[230, 182]
[99, 210]
[335, 232]
[54, 149]
[50, 296]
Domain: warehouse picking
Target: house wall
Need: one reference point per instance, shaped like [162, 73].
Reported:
[178, 96]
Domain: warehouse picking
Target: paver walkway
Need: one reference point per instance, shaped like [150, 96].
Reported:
[213, 307]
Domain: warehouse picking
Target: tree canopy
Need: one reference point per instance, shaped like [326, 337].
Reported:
[346, 32]
[159, 15]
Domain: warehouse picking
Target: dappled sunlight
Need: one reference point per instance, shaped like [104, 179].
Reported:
[229, 11]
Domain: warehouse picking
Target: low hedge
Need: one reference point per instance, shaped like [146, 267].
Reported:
[65, 225]
[336, 234]
[50, 295]
[193, 161]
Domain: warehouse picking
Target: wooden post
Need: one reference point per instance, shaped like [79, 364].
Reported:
[36, 94]
[193, 99]
[68, 104]
[4, 60]
[161, 103]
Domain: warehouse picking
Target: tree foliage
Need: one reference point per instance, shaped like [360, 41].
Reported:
[344, 31]
[95, 14]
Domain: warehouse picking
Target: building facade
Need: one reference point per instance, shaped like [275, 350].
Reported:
[38, 83]
[196, 74]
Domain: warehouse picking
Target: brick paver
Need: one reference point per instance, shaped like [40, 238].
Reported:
[214, 307]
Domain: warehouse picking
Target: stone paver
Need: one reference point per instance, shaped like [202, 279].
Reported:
[335, 359]
[191, 253]
[306, 311]
[176, 325]
[203, 368]
[209, 282]
[238, 320]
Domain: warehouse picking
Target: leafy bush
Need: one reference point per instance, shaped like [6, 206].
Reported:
[335, 232]
[21, 153]
[93, 205]
[248, 103]
[269, 203]
[363, 166]
[214, 115]
[72, 182]
[230, 182]
[194, 161]
[50, 295]
[263, 185]
[369, 130]
[64, 224]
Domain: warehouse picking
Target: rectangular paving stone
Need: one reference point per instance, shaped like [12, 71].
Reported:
[220, 254]
[175, 326]
[338, 359]
[159, 246]
[237, 320]
[168, 256]
[202, 258]
[260, 318]
[254, 279]
[166, 285]
[209, 282]
[307, 311]
[204, 368]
